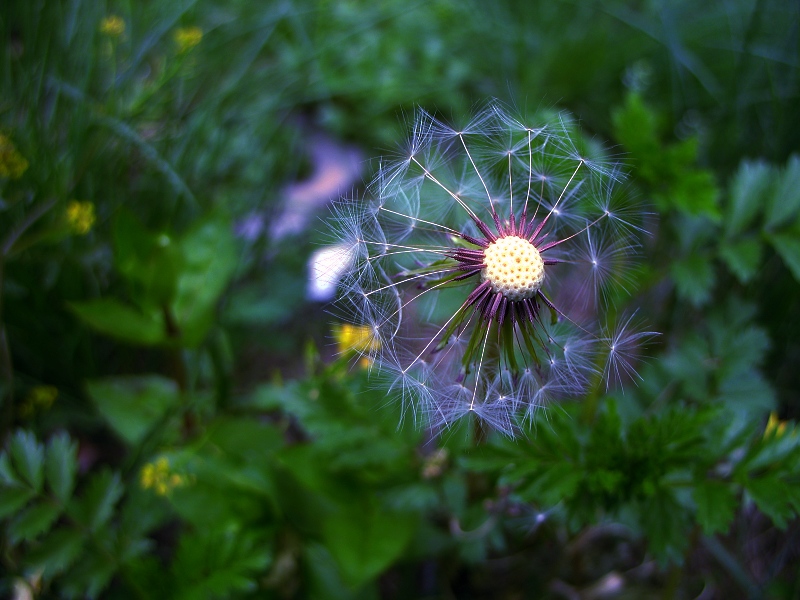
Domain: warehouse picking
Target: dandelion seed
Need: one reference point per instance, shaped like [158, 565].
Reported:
[463, 266]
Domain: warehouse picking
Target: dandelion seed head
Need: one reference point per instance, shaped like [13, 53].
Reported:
[479, 263]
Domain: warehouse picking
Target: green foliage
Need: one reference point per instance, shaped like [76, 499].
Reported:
[175, 422]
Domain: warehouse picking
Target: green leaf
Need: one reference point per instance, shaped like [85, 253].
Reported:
[61, 462]
[364, 540]
[133, 405]
[27, 456]
[210, 259]
[56, 552]
[112, 317]
[33, 521]
[772, 497]
[150, 261]
[716, 504]
[742, 257]
[749, 191]
[786, 199]
[788, 246]
[694, 278]
[12, 498]
[97, 504]
[665, 527]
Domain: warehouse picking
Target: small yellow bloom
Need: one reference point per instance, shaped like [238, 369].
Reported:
[112, 26]
[39, 398]
[157, 476]
[187, 38]
[12, 163]
[775, 427]
[80, 216]
[355, 337]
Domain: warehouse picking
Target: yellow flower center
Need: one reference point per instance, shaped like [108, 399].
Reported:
[514, 267]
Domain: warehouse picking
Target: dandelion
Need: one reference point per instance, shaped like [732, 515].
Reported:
[483, 268]
[187, 38]
[12, 163]
[113, 26]
[80, 216]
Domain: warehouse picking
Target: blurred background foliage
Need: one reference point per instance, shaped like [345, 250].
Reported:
[180, 419]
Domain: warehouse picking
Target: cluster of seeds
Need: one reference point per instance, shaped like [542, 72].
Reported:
[514, 267]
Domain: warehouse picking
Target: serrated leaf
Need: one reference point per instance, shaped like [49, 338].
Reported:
[56, 552]
[786, 199]
[27, 456]
[742, 257]
[133, 405]
[12, 498]
[694, 278]
[96, 506]
[61, 463]
[112, 317]
[33, 521]
[716, 504]
[666, 527]
[788, 246]
[749, 191]
[772, 498]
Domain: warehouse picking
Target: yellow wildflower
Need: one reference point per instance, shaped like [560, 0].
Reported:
[39, 398]
[187, 38]
[12, 163]
[355, 337]
[80, 216]
[157, 476]
[775, 427]
[112, 26]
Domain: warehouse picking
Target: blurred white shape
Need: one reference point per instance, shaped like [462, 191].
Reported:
[325, 268]
[336, 168]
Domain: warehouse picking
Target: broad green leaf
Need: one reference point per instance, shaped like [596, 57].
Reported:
[27, 456]
[150, 261]
[365, 540]
[56, 552]
[788, 246]
[132, 405]
[33, 521]
[61, 462]
[786, 199]
[210, 259]
[694, 278]
[742, 257]
[749, 191]
[112, 317]
[716, 503]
